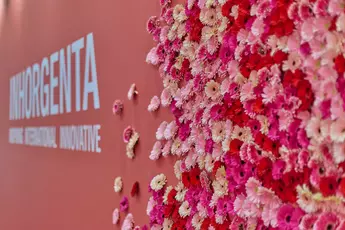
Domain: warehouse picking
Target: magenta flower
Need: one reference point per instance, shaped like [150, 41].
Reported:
[124, 205]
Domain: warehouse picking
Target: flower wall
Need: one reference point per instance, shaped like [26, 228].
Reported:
[256, 88]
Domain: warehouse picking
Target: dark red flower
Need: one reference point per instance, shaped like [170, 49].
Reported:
[260, 139]
[186, 179]
[271, 146]
[205, 224]
[194, 176]
[339, 63]
[342, 186]
[135, 189]
[305, 94]
[328, 186]
[258, 106]
[169, 210]
[216, 166]
[263, 166]
[235, 146]
[280, 56]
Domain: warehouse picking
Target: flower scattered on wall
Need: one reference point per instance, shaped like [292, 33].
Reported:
[131, 137]
[117, 107]
[256, 88]
[132, 92]
[118, 184]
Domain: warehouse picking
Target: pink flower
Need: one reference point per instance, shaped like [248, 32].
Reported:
[338, 130]
[132, 92]
[160, 130]
[154, 104]
[170, 130]
[116, 216]
[124, 204]
[166, 97]
[167, 148]
[127, 134]
[307, 222]
[212, 90]
[128, 223]
[327, 220]
[258, 27]
[117, 107]
[252, 189]
[156, 151]
[278, 169]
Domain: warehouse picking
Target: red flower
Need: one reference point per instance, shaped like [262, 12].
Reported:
[135, 189]
[235, 146]
[258, 106]
[339, 63]
[186, 179]
[205, 224]
[216, 166]
[260, 139]
[279, 56]
[194, 176]
[305, 94]
[342, 187]
[171, 196]
[169, 210]
[271, 146]
[263, 166]
[328, 186]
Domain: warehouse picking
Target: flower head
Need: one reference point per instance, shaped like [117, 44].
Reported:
[124, 205]
[116, 216]
[117, 107]
[118, 184]
[158, 182]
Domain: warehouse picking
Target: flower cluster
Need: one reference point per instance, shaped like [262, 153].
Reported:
[131, 138]
[257, 90]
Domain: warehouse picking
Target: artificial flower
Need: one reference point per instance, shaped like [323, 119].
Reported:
[124, 204]
[118, 184]
[117, 107]
[132, 92]
[135, 189]
[158, 182]
[116, 216]
[154, 104]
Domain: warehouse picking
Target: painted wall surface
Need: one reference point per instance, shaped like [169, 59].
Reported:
[45, 188]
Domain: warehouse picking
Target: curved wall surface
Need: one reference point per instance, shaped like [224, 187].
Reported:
[51, 187]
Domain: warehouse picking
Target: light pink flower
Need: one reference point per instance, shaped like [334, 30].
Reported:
[338, 130]
[252, 189]
[116, 216]
[285, 119]
[128, 223]
[293, 62]
[258, 27]
[156, 151]
[154, 104]
[166, 97]
[167, 148]
[212, 90]
[160, 130]
[170, 130]
[336, 7]
[132, 92]
[152, 57]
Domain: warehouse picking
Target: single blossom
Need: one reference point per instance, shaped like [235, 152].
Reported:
[158, 182]
[154, 104]
[132, 92]
[118, 184]
[116, 216]
[117, 107]
[124, 205]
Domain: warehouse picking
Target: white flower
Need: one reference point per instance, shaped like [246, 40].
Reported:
[132, 92]
[118, 184]
[184, 209]
[220, 187]
[181, 192]
[167, 224]
[158, 182]
[197, 221]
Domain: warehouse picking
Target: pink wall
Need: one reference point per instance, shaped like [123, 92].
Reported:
[53, 189]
